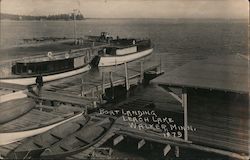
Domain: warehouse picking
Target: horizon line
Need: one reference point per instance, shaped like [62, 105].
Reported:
[224, 18]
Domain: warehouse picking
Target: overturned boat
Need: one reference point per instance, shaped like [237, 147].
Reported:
[34, 146]
[11, 110]
[122, 50]
[84, 138]
[32, 123]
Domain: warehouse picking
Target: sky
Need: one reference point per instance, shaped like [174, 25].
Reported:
[131, 8]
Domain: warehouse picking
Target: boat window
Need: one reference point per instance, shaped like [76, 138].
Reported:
[31, 68]
[111, 51]
[24, 68]
[43, 67]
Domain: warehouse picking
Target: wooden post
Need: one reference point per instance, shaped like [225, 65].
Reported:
[118, 140]
[82, 88]
[141, 143]
[98, 95]
[93, 96]
[142, 72]
[75, 37]
[111, 83]
[126, 76]
[177, 151]
[166, 149]
[85, 110]
[103, 81]
[184, 105]
[94, 104]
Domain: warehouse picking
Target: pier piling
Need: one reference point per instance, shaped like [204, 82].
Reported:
[126, 76]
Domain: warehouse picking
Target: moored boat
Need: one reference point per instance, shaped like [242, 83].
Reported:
[52, 62]
[34, 146]
[123, 50]
[80, 140]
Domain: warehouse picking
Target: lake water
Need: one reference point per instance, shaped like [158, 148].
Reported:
[175, 41]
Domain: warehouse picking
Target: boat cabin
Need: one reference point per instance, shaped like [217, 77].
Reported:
[49, 66]
[121, 47]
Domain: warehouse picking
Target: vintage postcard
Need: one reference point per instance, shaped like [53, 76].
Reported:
[124, 79]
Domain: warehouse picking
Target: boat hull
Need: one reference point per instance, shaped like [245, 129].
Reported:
[13, 109]
[43, 141]
[32, 80]
[53, 155]
[117, 60]
[11, 137]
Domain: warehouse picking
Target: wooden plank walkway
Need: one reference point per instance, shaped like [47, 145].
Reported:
[121, 128]
[90, 86]
[62, 97]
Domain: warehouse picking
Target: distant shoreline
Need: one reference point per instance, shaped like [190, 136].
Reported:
[169, 19]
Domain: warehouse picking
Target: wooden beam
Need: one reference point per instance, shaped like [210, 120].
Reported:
[142, 72]
[183, 144]
[166, 149]
[177, 151]
[168, 90]
[82, 87]
[174, 95]
[111, 84]
[126, 76]
[118, 140]
[141, 143]
[184, 105]
[103, 81]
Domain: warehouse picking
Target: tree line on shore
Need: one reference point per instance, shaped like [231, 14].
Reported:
[67, 17]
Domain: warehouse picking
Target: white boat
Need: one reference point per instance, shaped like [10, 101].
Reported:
[46, 78]
[117, 60]
[7, 137]
[51, 66]
[120, 51]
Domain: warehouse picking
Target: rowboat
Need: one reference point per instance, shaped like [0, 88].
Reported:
[32, 123]
[123, 50]
[34, 146]
[13, 109]
[51, 65]
[80, 140]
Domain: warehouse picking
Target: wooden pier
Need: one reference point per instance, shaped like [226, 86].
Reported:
[87, 89]
[121, 131]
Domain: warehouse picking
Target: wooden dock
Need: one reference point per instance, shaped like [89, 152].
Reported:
[121, 131]
[87, 89]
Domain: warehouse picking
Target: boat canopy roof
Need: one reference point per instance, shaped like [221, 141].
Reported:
[125, 43]
[39, 52]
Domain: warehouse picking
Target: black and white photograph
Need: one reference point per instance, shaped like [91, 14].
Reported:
[124, 79]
